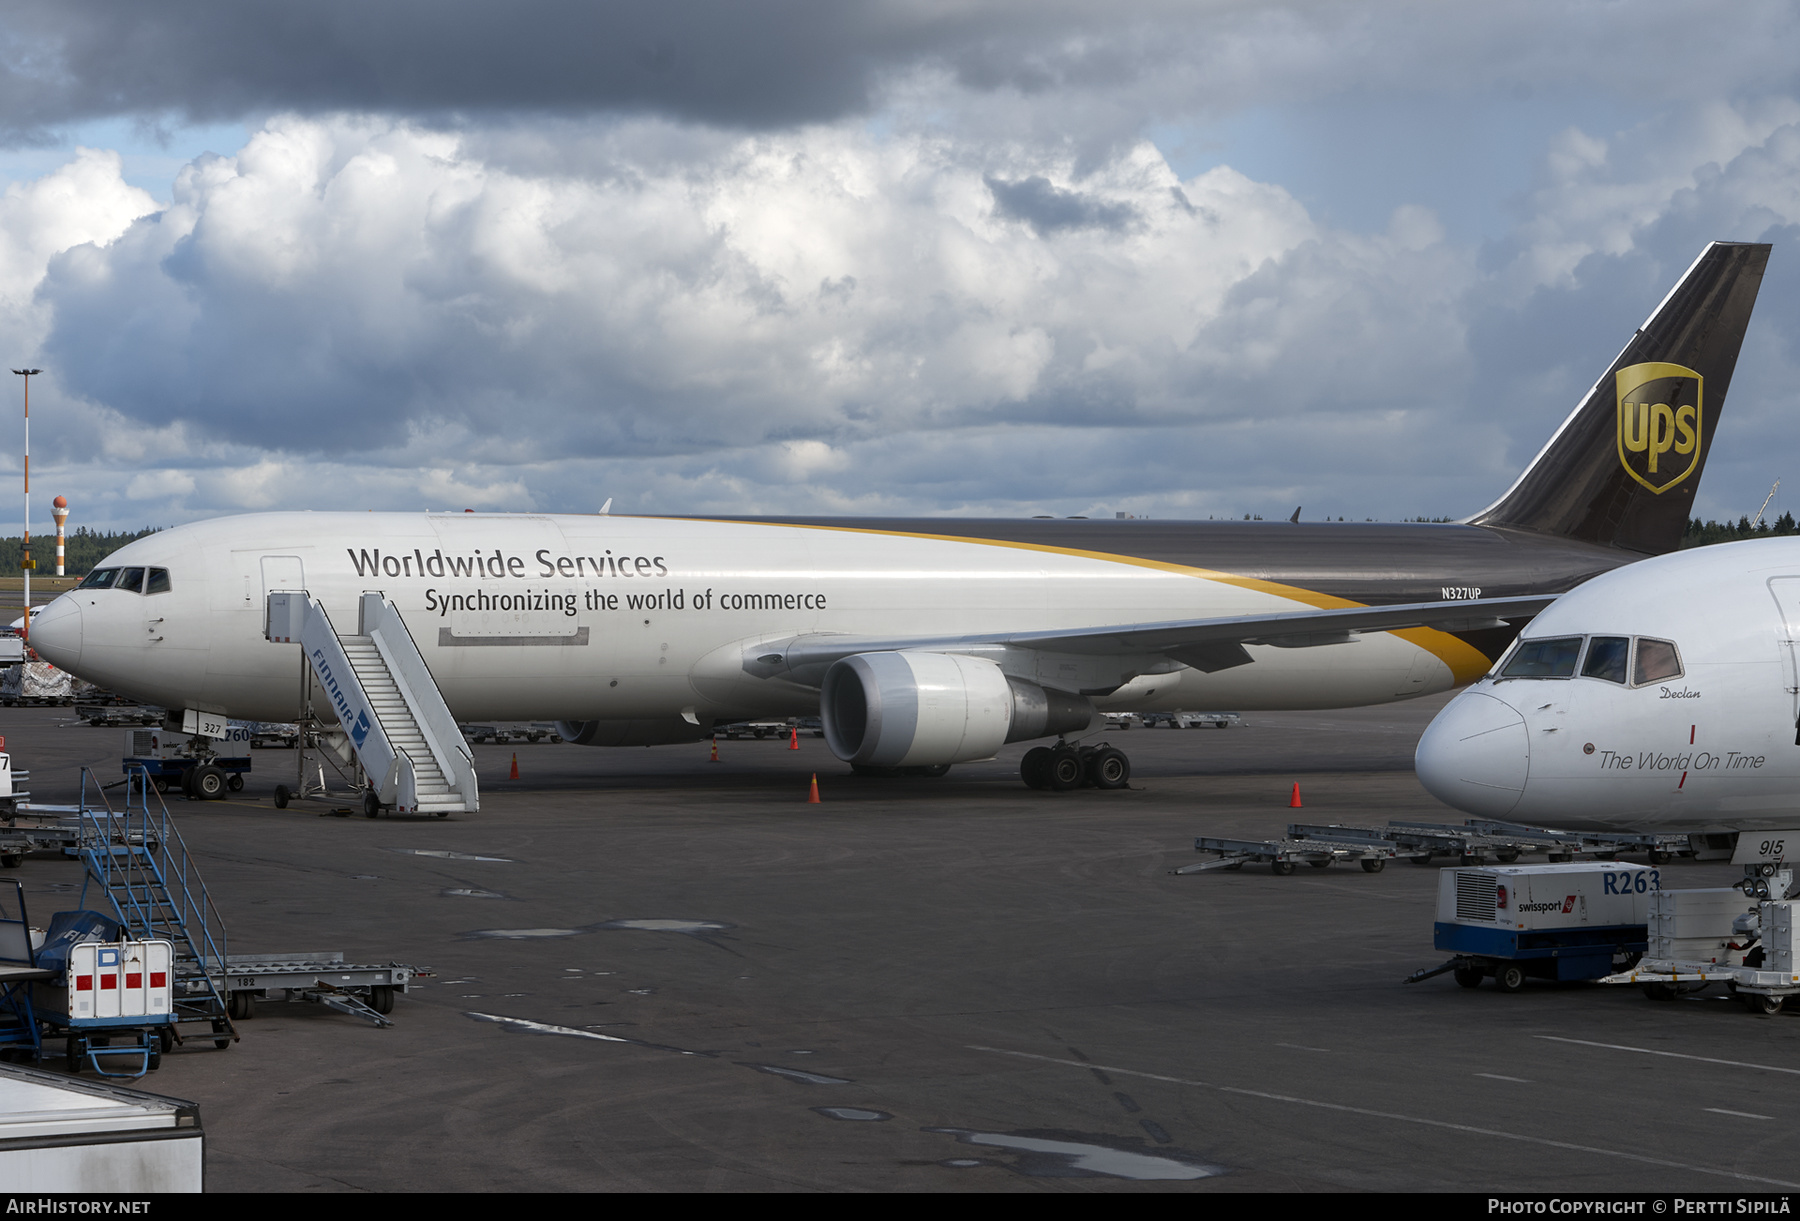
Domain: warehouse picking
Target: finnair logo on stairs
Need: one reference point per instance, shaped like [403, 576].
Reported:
[358, 726]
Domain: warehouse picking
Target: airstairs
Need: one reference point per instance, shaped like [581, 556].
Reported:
[387, 702]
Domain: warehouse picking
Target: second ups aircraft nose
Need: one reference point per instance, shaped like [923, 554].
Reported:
[1476, 755]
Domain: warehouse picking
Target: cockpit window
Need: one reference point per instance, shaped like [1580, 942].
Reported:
[100, 578]
[1657, 661]
[1544, 658]
[130, 578]
[158, 581]
[1606, 657]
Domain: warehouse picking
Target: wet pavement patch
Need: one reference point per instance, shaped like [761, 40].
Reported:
[858, 1114]
[443, 855]
[521, 934]
[796, 1074]
[666, 926]
[1050, 1154]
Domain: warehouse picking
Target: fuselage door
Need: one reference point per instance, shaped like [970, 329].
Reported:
[281, 572]
[1787, 597]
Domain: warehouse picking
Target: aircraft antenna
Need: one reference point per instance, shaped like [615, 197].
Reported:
[1765, 505]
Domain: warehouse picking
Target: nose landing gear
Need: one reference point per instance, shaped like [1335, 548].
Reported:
[1063, 767]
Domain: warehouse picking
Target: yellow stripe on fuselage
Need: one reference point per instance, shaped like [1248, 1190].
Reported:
[1466, 662]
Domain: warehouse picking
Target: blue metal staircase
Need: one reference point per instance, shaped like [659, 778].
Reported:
[138, 860]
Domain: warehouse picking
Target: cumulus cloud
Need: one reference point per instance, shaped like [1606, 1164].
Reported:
[832, 319]
[954, 270]
[348, 285]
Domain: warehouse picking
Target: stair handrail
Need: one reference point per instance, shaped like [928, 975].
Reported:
[190, 902]
[319, 643]
[382, 622]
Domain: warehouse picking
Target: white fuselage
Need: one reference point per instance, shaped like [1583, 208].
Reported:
[1712, 747]
[626, 619]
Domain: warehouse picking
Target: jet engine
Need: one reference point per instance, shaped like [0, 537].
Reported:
[923, 709]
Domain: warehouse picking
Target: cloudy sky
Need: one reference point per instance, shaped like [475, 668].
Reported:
[901, 256]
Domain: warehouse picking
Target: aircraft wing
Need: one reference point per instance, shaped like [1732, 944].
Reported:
[1205, 644]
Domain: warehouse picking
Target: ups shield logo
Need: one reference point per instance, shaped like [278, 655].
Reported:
[1659, 423]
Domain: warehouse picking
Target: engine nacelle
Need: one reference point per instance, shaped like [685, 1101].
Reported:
[919, 709]
[659, 732]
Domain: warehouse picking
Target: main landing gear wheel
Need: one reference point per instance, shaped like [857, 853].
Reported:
[371, 805]
[1108, 768]
[1066, 771]
[1034, 768]
[281, 796]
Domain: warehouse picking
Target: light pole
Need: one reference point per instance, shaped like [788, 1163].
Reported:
[25, 564]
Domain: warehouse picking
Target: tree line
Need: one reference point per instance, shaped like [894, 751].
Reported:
[83, 549]
[1702, 534]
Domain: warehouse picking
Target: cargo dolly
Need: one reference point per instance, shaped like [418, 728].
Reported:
[55, 829]
[1474, 842]
[1284, 854]
[1559, 845]
[364, 990]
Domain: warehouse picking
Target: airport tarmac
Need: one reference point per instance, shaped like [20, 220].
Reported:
[654, 972]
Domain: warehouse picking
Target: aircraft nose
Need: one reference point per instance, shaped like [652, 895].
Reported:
[1476, 755]
[56, 633]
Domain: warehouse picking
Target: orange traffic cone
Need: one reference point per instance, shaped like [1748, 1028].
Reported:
[1294, 801]
[715, 755]
[515, 767]
[794, 741]
[812, 798]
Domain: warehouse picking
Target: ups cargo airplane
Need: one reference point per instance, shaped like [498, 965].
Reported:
[921, 642]
[1665, 695]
